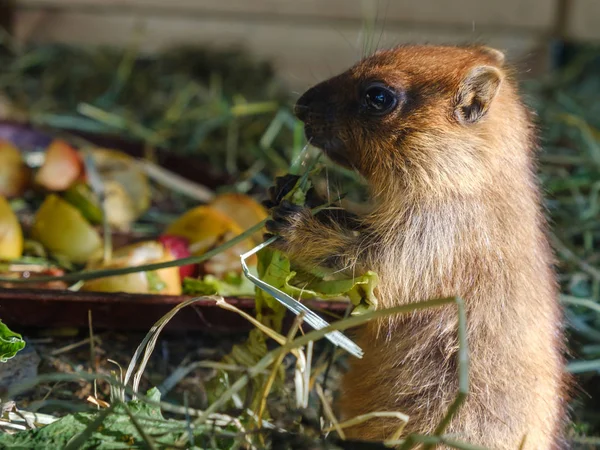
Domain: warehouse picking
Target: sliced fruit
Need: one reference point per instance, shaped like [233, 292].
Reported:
[61, 167]
[11, 235]
[119, 205]
[205, 228]
[163, 281]
[246, 211]
[179, 248]
[14, 174]
[63, 230]
[121, 168]
[126, 190]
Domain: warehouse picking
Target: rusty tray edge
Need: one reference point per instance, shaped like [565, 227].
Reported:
[121, 311]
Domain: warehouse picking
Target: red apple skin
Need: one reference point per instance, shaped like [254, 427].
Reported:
[179, 248]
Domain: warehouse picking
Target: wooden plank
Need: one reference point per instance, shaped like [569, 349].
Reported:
[7, 9]
[303, 54]
[584, 20]
[533, 14]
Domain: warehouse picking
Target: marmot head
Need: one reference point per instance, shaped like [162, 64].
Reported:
[420, 110]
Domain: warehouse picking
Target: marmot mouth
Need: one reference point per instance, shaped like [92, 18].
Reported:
[341, 160]
[333, 147]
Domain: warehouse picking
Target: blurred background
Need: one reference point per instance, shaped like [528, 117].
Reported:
[308, 40]
[205, 89]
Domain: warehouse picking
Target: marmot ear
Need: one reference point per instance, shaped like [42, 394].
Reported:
[497, 56]
[476, 93]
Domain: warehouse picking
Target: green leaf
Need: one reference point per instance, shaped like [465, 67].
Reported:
[275, 268]
[232, 284]
[10, 343]
[360, 290]
[116, 430]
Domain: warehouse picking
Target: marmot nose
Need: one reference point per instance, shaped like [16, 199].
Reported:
[300, 111]
[302, 107]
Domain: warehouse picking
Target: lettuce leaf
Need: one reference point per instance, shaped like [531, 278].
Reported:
[232, 284]
[10, 343]
[275, 268]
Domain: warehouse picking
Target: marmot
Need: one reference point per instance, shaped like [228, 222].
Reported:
[448, 151]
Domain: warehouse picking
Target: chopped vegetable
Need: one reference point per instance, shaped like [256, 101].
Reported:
[63, 230]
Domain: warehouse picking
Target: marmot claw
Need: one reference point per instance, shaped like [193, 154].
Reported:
[281, 217]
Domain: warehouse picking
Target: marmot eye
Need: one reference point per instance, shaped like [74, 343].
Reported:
[380, 100]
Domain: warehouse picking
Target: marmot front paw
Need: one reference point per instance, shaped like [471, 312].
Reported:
[283, 217]
[286, 218]
[283, 186]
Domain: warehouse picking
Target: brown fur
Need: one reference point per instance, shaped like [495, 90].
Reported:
[455, 212]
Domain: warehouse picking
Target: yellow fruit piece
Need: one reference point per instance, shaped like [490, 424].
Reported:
[63, 230]
[205, 228]
[11, 235]
[246, 211]
[14, 174]
[163, 281]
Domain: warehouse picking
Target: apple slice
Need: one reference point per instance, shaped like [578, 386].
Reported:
[63, 230]
[163, 281]
[179, 247]
[61, 168]
[119, 168]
